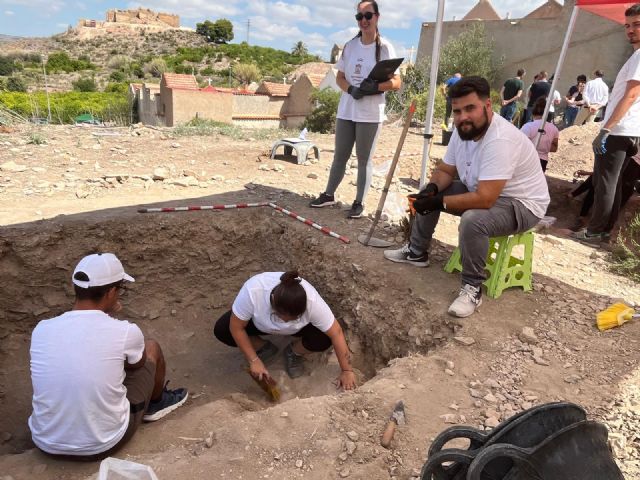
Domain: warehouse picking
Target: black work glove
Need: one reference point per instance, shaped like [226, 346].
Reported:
[425, 204]
[355, 92]
[430, 190]
[369, 87]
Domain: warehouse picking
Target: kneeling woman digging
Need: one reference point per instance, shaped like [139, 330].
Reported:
[276, 303]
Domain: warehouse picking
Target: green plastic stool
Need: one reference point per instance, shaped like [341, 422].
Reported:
[504, 269]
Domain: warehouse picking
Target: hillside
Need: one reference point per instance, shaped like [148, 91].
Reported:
[142, 57]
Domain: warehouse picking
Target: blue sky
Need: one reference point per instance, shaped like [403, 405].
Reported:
[274, 23]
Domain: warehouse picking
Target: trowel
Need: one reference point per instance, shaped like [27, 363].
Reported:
[367, 239]
[397, 418]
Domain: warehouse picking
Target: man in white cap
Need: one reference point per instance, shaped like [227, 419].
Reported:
[95, 378]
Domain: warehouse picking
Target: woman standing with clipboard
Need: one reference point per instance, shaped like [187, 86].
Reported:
[361, 108]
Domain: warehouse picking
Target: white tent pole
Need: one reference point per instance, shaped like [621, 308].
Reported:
[556, 77]
[433, 84]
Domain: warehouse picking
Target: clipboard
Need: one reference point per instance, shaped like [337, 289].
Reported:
[385, 69]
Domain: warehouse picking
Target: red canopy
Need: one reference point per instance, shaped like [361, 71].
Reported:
[611, 9]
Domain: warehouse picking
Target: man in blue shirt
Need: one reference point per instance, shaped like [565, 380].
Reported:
[450, 82]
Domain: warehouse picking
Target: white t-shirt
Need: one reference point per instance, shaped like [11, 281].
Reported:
[253, 303]
[556, 98]
[596, 92]
[629, 126]
[77, 369]
[503, 153]
[356, 63]
[550, 133]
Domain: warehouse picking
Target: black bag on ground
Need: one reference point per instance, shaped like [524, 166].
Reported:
[527, 430]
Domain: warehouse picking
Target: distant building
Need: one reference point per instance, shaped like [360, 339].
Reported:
[123, 22]
[178, 99]
[534, 42]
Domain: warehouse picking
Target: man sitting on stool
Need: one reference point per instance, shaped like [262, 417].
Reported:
[501, 190]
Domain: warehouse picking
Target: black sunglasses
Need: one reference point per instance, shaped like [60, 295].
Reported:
[367, 15]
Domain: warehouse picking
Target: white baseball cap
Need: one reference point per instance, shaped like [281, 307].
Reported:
[99, 269]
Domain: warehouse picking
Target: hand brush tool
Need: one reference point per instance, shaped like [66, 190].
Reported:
[269, 385]
[614, 316]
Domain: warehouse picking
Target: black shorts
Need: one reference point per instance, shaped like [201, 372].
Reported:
[313, 339]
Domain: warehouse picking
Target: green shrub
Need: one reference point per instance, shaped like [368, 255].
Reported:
[117, 76]
[220, 31]
[7, 65]
[111, 107]
[323, 117]
[61, 62]
[16, 84]
[156, 67]
[36, 138]
[117, 88]
[470, 53]
[246, 73]
[627, 250]
[85, 85]
[207, 71]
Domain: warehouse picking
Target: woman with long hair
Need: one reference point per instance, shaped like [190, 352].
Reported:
[361, 108]
[277, 303]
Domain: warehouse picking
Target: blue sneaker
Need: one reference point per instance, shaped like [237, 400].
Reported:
[171, 399]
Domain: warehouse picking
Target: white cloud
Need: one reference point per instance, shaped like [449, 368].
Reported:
[62, 25]
[46, 6]
[8, 13]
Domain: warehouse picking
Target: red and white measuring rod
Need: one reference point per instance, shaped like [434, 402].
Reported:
[202, 207]
[311, 223]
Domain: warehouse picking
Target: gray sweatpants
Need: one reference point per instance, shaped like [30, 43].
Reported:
[365, 136]
[507, 216]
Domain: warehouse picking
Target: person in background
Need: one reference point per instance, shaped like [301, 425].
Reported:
[361, 108]
[595, 97]
[445, 87]
[548, 140]
[282, 303]
[617, 141]
[510, 92]
[95, 378]
[630, 182]
[574, 101]
[539, 88]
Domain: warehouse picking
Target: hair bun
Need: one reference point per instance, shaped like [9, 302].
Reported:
[290, 278]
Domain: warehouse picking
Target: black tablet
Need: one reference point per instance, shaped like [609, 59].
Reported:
[385, 69]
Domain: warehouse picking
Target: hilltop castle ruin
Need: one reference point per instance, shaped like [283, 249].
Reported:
[125, 21]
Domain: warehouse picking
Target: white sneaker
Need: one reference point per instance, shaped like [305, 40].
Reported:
[468, 300]
[404, 255]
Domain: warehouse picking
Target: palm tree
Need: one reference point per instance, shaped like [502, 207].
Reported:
[299, 49]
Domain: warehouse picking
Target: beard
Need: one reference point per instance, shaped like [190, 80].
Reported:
[474, 131]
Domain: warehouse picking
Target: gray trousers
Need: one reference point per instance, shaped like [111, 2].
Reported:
[507, 216]
[607, 182]
[365, 136]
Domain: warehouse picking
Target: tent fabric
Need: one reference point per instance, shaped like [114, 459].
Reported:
[610, 9]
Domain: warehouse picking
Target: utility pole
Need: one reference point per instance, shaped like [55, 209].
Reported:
[248, 29]
[46, 89]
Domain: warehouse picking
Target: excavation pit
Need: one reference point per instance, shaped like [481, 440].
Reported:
[188, 269]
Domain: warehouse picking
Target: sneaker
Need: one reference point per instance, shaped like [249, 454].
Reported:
[293, 363]
[405, 255]
[323, 200]
[171, 399]
[579, 224]
[267, 352]
[468, 300]
[586, 237]
[356, 210]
